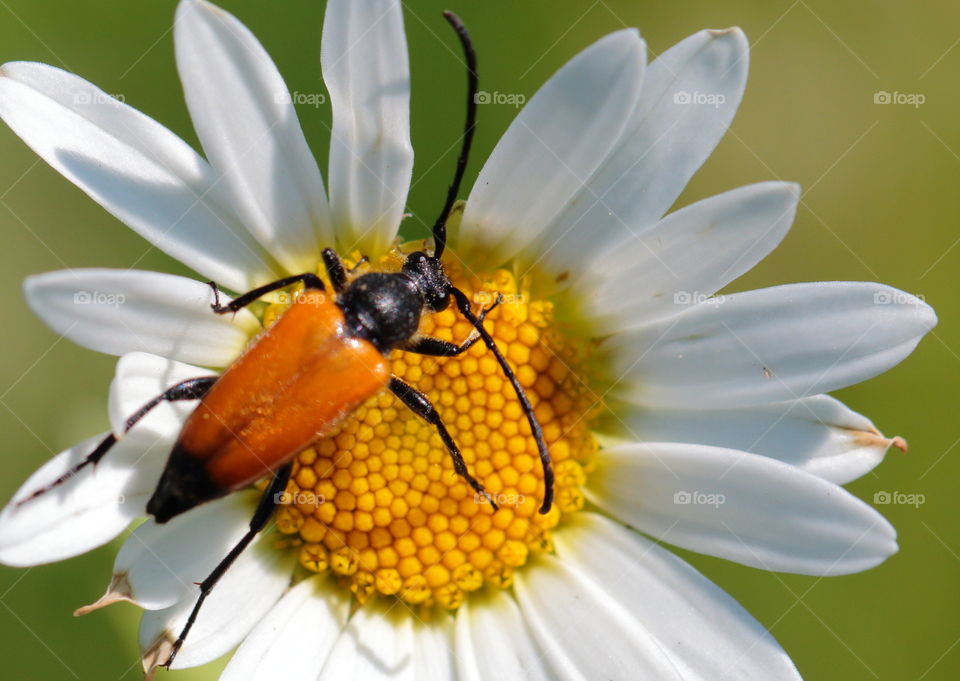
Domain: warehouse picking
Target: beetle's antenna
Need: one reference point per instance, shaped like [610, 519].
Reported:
[463, 304]
[191, 389]
[440, 226]
[91, 459]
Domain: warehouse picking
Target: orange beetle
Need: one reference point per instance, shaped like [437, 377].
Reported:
[302, 377]
[295, 384]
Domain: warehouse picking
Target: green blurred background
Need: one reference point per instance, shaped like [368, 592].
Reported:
[882, 185]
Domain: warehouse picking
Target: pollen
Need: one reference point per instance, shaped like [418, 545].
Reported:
[378, 505]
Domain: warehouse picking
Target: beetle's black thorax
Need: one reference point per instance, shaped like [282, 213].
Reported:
[385, 307]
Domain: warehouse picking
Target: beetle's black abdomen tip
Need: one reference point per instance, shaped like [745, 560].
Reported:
[163, 506]
[183, 485]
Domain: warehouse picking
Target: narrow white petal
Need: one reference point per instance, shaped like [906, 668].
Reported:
[367, 72]
[817, 434]
[553, 147]
[89, 509]
[140, 377]
[705, 632]
[689, 255]
[433, 648]
[769, 345]
[121, 311]
[690, 95]
[244, 116]
[743, 507]
[135, 168]
[296, 636]
[376, 645]
[586, 633]
[241, 599]
[493, 641]
[163, 564]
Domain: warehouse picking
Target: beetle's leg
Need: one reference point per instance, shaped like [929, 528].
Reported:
[268, 502]
[335, 269]
[309, 280]
[191, 389]
[363, 260]
[436, 347]
[338, 275]
[420, 405]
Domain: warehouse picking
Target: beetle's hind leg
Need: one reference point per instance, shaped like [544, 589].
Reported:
[420, 405]
[268, 502]
[190, 389]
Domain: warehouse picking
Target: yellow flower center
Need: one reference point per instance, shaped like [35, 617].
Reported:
[378, 503]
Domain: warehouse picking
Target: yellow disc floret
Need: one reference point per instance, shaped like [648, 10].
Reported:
[379, 505]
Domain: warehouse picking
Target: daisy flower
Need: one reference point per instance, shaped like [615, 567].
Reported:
[674, 416]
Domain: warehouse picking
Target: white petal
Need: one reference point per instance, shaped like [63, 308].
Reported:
[689, 255]
[553, 147]
[367, 72]
[492, 636]
[743, 507]
[433, 648]
[690, 95]
[121, 311]
[704, 631]
[140, 377]
[244, 116]
[376, 644]
[584, 632]
[241, 599]
[294, 639]
[817, 434]
[769, 345]
[89, 509]
[163, 564]
[135, 168]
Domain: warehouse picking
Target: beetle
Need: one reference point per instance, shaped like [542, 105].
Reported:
[298, 380]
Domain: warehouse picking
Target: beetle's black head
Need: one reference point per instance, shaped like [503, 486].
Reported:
[432, 282]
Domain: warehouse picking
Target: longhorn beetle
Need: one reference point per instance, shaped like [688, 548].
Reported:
[329, 354]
